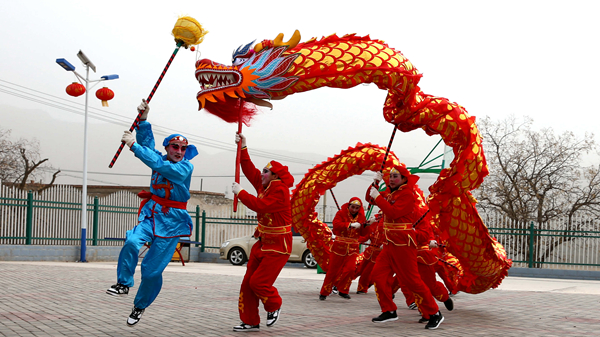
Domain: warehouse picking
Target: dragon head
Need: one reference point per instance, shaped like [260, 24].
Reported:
[252, 77]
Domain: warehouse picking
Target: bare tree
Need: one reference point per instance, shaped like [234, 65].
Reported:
[537, 175]
[20, 161]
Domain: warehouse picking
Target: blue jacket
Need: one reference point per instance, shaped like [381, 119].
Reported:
[170, 181]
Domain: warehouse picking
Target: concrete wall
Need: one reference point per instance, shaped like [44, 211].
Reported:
[555, 273]
[73, 253]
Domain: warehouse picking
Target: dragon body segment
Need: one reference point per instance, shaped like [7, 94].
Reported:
[275, 70]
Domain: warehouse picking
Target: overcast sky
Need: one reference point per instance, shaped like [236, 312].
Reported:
[535, 58]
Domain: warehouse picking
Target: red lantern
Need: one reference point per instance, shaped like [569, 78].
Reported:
[105, 95]
[75, 89]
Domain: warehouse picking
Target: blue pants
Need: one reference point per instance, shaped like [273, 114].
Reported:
[156, 260]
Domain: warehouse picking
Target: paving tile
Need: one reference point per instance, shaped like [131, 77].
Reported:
[66, 299]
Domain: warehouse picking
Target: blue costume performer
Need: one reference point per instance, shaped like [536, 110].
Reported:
[163, 217]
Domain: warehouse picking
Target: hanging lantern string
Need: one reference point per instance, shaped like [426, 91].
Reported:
[187, 31]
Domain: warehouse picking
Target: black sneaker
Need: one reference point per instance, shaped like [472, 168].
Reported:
[435, 321]
[412, 306]
[361, 292]
[136, 315]
[118, 290]
[273, 317]
[346, 296]
[424, 320]
[246, 327]
[386, 316]
[449, 304]
[322, 297]
[334, 290]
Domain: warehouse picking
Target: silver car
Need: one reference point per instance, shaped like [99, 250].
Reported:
[237, 250]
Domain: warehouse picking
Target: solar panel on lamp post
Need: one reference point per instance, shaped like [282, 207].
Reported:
[69, 67]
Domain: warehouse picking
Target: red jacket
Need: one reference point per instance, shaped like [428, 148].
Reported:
[424, 235]
[346, 238]
[272, 207]
[377, 238]
[401, 209]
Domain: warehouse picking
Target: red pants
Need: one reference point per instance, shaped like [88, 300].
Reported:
[365, 272]
[339, 274]
[427, 273]
[401, 260]
[261, 272]
[437, 288]
[408, 295]
[439, 269]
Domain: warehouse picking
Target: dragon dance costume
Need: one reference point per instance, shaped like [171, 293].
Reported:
[272, 250]
[401, 209]
[364, 269]
[162, 217]
[427, 263]
[345, 248]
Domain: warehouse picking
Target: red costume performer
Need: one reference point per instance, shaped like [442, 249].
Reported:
[271, 252]
[376, 238]
[402, 205]
[427, 263]
[348, 227]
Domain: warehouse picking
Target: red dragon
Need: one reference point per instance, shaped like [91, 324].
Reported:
[274, 69]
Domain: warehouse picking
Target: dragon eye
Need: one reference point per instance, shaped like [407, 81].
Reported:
[239, 60]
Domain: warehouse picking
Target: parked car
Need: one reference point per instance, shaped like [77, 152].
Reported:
[237, 250]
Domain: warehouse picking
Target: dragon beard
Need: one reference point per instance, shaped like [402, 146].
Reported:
[230, 112]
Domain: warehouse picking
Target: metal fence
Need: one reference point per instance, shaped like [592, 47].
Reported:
[29, 218]
[54, 218]
[562, 243]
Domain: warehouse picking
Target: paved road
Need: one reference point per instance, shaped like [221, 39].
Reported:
[200, 299]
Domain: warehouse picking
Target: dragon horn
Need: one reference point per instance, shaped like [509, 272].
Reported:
[278, 42]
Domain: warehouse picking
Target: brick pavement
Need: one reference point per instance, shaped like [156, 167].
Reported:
[68, 299]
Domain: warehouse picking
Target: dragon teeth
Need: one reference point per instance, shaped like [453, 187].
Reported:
[210, 80]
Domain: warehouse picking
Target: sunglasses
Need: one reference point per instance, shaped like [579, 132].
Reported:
[177, 147]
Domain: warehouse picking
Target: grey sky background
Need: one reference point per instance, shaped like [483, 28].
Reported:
[535, 58]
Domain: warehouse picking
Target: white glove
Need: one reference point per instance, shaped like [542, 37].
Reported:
[355, 225]
[378, 177]
[433, 244]
[240, 137]
[128, 138]
[373, 193]
[143, 106]
[236, 188]
[372, 220]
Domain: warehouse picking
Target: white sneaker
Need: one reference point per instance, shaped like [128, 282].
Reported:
[246, 327]
[135, 316]
[273, 317]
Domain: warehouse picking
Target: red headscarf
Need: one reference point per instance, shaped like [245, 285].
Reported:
[282, 172]
[355, 201]
[361, 210]
[411, 178]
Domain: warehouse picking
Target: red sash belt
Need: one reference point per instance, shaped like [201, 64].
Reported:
[165, 203]
[274, 230]
[346, 240]
[397, 226]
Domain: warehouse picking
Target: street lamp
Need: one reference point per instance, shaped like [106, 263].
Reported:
[69, 67]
